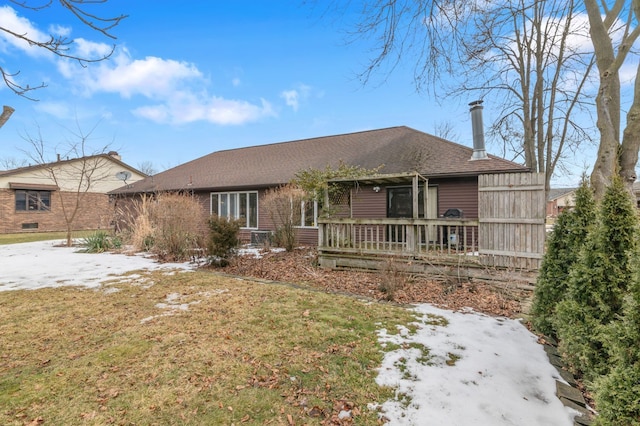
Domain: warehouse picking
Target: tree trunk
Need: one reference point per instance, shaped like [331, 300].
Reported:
[631, 138]
[607, 104]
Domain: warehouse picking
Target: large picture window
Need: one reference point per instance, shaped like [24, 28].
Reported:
[33, 201]
[236, 205]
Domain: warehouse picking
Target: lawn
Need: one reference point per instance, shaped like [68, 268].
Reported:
[190, 348]
[27, 237]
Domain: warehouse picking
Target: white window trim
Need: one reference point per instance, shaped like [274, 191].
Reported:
[302, 215]
[237, 215]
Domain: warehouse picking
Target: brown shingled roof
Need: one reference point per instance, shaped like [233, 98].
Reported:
[399, 149]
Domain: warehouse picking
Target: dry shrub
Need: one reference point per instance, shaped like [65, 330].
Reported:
[171, 225]
[392, 279]
[284, 205]
[141, 229]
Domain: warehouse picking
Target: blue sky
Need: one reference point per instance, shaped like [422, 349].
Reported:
[186, 81]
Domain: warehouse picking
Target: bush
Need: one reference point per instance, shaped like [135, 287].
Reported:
[100, 241]
[392, 279]
[599, 282]
[170, 225]
[563, 246]
[617, 394]
[223, 239]
[284, 205]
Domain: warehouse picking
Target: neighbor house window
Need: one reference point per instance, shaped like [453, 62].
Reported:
[33, 201]
[236, 205]
[309, 210]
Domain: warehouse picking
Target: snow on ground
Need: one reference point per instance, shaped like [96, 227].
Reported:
[474, 370]
[468, 369]
[46, 264]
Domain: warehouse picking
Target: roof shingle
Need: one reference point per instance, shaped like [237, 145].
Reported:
[397, 149]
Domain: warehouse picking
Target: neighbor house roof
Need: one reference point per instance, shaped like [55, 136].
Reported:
[396, 149]
[112, 156]
[556, 193]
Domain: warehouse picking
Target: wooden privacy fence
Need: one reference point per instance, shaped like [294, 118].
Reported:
[511, 210]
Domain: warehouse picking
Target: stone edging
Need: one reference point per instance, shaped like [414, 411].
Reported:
[568, 392]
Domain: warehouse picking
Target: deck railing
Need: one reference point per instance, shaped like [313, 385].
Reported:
[406, 237]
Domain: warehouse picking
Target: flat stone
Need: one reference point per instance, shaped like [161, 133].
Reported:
[567, 376]
[550, 340]
[569, 392]
[583, 420]
[551, 350]
[556, 361]
[568, 403]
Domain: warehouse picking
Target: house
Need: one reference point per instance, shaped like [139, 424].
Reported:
[559, 199]
[232, 182]
[44, 197]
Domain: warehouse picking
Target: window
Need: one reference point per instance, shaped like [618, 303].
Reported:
[309, 217]
[33, 201]
[236, 205]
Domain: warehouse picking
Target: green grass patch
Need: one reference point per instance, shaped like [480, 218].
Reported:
[192, 349]
[28, 237]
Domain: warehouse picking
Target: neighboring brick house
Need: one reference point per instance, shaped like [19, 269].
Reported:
[559, 199]
[231, 183]
[32, 198]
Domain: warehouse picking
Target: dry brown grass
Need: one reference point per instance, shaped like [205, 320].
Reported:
[189, 349]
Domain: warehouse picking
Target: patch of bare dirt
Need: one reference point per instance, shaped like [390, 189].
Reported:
[299, 267]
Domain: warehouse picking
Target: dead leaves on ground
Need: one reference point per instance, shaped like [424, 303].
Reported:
[297, 267]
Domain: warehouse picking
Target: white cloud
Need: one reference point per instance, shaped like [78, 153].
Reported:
[59, 110]
[186, 107]
[59, 30]
[178, 87]
[236, 82]
[151, 77]
[9, 19]
[176, 91]
[294, 96]
[291, 98]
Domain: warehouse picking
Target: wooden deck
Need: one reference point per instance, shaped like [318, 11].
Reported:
[438, 247]
[399, 237]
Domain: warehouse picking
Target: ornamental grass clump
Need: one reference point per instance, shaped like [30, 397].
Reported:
[100, 241]
[170, 225]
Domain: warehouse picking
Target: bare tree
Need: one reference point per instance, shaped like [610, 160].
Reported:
[75, 178]
[9, 163]
[446, 130]
[614, 28]
[522, 52]
[59, 45]
[147, 168]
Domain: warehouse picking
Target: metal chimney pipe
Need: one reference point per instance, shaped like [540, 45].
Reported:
[479, 152]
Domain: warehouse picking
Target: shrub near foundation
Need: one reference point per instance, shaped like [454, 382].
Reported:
[170, 225]
[223, 239]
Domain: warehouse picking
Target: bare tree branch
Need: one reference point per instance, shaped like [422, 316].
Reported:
[60, 45]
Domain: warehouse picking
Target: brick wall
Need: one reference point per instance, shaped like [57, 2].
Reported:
[95, 212]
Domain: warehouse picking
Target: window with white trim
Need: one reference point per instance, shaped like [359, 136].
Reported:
[236, 205]
[309, 216]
